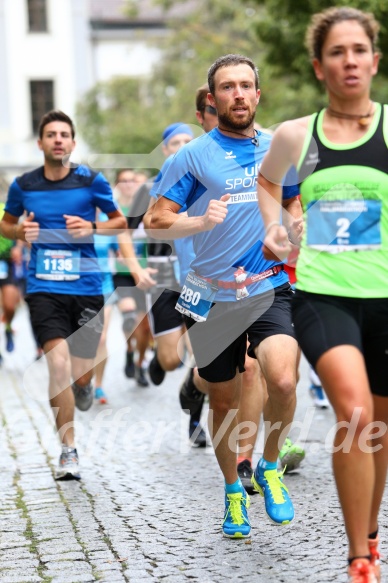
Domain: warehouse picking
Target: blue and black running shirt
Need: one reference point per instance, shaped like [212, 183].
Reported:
[78, 194]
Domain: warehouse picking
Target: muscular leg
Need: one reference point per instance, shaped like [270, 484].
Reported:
[142, 336]
[277, 356]
[200, 383]
[166, 349]
[342, 371]
[253, 397]
[224, 398]
[102, 354]
[60, 391]
[82, 370]
[10, 300]
[127, 307]
[380, 459]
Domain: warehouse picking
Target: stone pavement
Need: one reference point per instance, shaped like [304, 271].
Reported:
[149, 507]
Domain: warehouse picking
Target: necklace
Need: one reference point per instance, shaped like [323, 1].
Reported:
[254, 139]
[362, 119]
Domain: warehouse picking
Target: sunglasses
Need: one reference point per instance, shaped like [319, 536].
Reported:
[210, 109]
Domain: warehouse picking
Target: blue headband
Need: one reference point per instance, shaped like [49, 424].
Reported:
[174, 129]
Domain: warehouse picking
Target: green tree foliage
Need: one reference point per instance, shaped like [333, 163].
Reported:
[127, 115]
[282, 30]
[113, 117]
[214, 28]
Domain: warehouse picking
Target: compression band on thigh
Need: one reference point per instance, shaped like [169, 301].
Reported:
[129, 321]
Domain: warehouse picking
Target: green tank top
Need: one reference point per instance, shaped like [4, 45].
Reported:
[344, 194]
[5, 244]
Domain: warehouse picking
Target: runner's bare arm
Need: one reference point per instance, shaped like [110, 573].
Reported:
[164, 217]
[79, 227]
[27, 230]
[281, 155]
[142, 276]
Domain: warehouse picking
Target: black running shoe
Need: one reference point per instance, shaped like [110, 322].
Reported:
[156, 372]
[129, 369]
[245, 473]
[197, 435]
[191, 399]
[140, 377]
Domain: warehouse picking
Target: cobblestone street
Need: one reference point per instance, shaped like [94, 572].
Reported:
[149, 507]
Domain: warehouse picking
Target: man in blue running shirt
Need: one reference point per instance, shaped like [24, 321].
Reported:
[64, 285]
[232, 292]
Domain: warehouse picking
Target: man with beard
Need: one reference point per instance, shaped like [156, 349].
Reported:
[232, 292]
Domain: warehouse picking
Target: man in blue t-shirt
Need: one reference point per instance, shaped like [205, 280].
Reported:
[64, 286]
[233, 292]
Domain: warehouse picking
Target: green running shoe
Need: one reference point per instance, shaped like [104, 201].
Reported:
[291, 456]
[236, 522]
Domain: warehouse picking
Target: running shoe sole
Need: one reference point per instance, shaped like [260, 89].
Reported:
[236, 535]
[292, 460]
[62, 476]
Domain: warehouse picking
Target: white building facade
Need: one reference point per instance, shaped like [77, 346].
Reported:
[45, 62]
[53, 51]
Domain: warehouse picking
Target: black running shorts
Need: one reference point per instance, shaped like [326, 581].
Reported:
[162, 315]
[219, 344]
[78, 319]
[125, 287]
[323, 322]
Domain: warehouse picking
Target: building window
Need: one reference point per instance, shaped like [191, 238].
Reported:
[42, 101]
[37, 15]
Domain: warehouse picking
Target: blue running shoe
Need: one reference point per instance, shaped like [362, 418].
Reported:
[236, 522]
[278, 504]
[9, 346]
[318, 396]
[100, 395]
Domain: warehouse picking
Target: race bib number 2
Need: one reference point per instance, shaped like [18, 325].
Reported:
[344, 225]
[196, 298]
